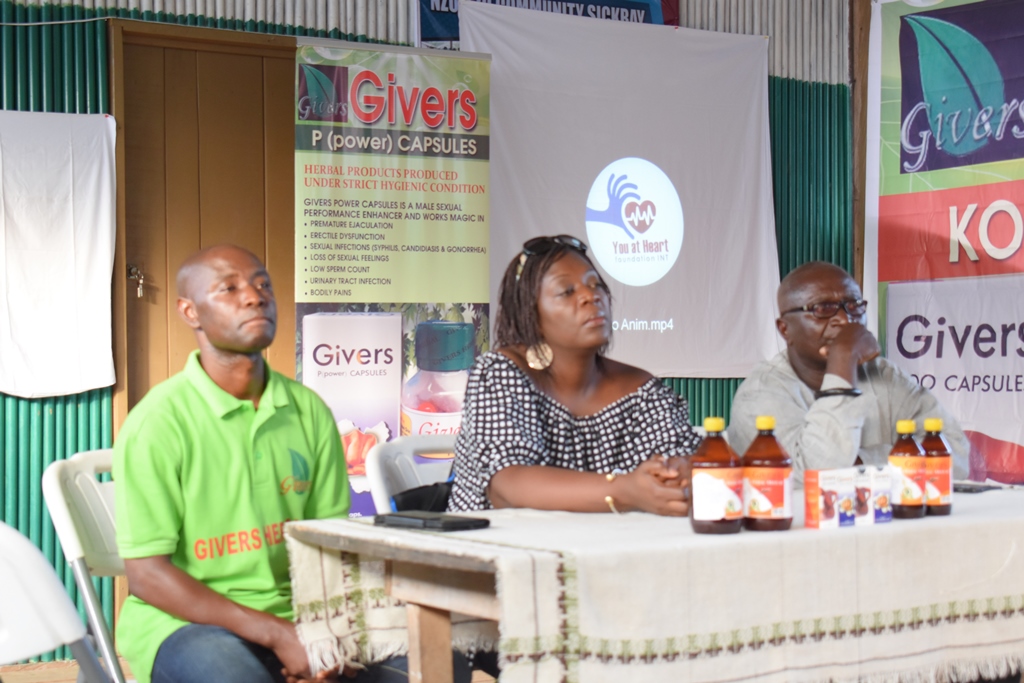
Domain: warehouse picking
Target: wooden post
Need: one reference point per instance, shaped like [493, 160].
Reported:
[430, 645]
[860, 28]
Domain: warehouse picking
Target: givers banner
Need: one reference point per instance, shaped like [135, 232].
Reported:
[391, 238]
[681, 227]
[945, 228]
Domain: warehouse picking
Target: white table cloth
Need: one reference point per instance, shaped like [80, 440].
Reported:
[635, 597]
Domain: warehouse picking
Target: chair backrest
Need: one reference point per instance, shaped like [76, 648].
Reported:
[391, 467]
[82, 509]
[36, 613]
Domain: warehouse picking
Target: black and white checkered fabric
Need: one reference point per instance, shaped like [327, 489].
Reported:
[507, 420]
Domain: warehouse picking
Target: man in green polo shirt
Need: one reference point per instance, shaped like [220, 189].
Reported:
[209, 466]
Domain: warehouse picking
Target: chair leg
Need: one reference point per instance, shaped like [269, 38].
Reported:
[89, 666]
[97, 622]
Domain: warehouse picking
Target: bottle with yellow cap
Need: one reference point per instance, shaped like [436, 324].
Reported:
[716, 483]
[767, 481]
[938, 466]
[907, 459]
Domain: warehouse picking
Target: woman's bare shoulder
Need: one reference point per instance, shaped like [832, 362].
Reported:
[628, 377]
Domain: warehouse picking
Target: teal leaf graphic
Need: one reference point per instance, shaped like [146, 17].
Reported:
[959, 78]
[322, 97]
[300, 471]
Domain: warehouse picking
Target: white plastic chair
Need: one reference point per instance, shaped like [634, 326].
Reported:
[82, 509]
[36, 613]
[390, 466]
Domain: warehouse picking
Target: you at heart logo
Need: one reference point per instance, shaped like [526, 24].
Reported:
[640, 215]
[634, 221]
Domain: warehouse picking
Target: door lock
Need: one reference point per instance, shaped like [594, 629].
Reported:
[134, 273]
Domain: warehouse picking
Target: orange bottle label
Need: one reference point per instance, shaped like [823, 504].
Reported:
[768, 492]
[717, 493]
[909, 484]
[939, 480]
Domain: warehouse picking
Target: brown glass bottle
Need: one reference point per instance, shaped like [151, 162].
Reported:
[938, 469]
[716, 483]
[907, 459]
[767, 481]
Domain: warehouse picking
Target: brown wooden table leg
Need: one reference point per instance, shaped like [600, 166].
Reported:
[430, 645]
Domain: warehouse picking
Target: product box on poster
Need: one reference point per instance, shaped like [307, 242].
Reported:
[354, 362]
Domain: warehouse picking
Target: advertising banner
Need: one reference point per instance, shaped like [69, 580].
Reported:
[963, 340]
[682, 228]
[944, 238]
[391, 238]
[439, 19]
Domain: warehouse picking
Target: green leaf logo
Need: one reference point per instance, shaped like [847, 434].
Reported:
[300, 473]
[322, 97]
[959, 79]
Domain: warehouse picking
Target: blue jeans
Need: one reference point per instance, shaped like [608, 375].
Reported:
[206, 654]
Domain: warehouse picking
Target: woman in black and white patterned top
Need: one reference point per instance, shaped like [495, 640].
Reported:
[548, 421]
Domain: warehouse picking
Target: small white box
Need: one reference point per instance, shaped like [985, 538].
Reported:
[882, 478]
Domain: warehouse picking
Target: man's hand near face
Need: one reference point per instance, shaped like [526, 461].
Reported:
[853, 346]
[828, 351]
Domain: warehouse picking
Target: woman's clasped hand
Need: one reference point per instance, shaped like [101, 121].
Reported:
[549, 421]
[658, 485]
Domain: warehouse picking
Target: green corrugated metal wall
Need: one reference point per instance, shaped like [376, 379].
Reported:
[63, 68]
[50, 69]
[36, 41]
[34, 433]
[58, 68]
[812, 166]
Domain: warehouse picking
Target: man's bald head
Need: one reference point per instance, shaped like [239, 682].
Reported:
[225, 296]
[796, 286]
[196, 269]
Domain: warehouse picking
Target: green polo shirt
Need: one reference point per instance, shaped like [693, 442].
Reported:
[207, 479]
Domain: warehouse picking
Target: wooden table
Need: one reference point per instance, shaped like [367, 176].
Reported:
[591, 594]
[432, 585]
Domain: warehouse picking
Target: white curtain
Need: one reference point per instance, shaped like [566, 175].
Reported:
[57, 189]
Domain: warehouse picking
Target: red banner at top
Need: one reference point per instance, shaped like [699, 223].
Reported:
[962, 232]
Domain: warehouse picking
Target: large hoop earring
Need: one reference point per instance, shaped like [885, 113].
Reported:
[539, 356]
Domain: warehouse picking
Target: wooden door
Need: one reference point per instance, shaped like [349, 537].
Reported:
[205, 156]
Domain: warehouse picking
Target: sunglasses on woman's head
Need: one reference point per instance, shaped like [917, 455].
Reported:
[542, 245]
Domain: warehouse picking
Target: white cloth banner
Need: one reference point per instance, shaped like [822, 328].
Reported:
[650, 143]
[57, 190]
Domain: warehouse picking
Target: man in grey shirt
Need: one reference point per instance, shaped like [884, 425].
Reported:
[835, 401]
